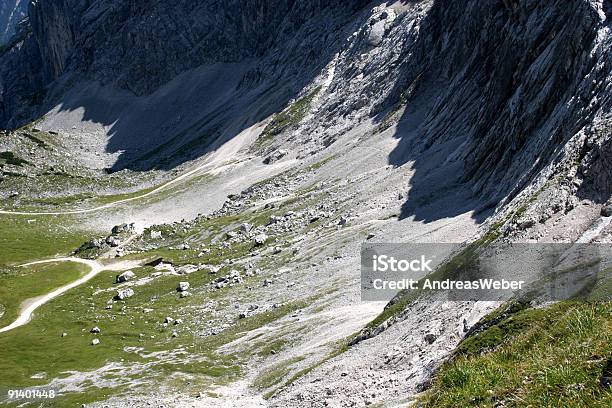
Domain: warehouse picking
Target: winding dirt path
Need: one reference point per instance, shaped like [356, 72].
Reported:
[114, 203]
[30, 305]
[226, 152]
[222, 156]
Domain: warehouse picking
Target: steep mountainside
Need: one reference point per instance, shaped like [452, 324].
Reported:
[550, 86]
[11, 13]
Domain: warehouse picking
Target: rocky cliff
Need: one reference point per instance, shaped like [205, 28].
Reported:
[507, 83]
[499, 84]
[11, 13]
[138, 46]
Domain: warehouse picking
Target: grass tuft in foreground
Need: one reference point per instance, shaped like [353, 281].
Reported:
[550, 357]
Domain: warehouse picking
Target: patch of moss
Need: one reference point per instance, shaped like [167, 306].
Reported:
[321, 163]
[273, 375]
[342, 347]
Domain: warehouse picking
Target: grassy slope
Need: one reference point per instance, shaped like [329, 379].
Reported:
[551, 357]
[25, 238]
[39, 347]
[289, 117]
[20, 284]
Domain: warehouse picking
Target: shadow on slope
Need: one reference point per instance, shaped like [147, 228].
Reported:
[492, 112]
[437, 189]
[244, 73]
[182, 120]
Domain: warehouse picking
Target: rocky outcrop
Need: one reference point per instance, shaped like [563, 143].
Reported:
[505, 88]
[53, 25]
[520, 92]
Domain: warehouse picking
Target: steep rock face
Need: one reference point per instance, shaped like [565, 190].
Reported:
[504, 84]
[21, 84]
[138, 46]
[519, 82]
[53, 24]
[11, 13]
[596, 167]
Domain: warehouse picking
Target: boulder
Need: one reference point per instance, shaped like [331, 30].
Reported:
[606, 211]
[187, 269]
[183, 286]
[94, 244]
[235, 276]
[123, 294]
[113, 241]
[526, 224]
[261, 239]
[125, 276]
[95, 330]
[117, 229]
[274, 219]
[277, 155]
[95, 342]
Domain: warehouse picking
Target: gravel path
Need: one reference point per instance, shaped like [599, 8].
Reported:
[30, 305]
